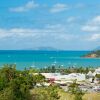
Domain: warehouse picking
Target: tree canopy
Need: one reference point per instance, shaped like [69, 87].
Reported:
[16, 85]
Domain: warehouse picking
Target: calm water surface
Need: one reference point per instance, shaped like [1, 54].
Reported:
[40, 59]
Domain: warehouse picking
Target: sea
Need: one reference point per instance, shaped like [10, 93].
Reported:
[42, 59]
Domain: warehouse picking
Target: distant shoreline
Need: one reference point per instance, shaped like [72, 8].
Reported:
[93, 54]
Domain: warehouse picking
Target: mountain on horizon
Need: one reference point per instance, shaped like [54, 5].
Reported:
[43, 48]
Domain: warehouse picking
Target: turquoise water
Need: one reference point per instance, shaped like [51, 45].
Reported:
[40, 59]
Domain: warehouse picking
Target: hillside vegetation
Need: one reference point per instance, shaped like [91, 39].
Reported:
[94, 54]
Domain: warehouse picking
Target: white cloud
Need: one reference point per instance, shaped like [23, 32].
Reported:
[90, 28]
[71, 19]
[55, 32]
[94, 37]
[80, 5]
[59, 7]
[28, 6]
[52, 35]
[93, 25]
[56, 27]
[93, 28]
[96, 19]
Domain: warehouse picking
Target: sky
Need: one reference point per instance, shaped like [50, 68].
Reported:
[61, 24]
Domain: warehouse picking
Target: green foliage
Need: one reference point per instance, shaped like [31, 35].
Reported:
[76, 91]
[50, 69]
[48, 93]
[7, 73]
[59, 69]
[20, 89]
[97, 76]
[16, 85]
[53, 92]
[39, 78]
[33, 70]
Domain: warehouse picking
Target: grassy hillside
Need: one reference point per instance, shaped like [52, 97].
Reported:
[66, 96]
[87, 96]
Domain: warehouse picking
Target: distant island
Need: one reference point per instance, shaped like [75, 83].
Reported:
[46, 48]
[42, 48]
[93, 54]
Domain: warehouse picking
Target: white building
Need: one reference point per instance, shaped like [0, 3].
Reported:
[96, 88]
[90, 76]
[97, 71]
[50, 75]
[59, 78]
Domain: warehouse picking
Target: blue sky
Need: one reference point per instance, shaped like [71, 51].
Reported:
[62, 24]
